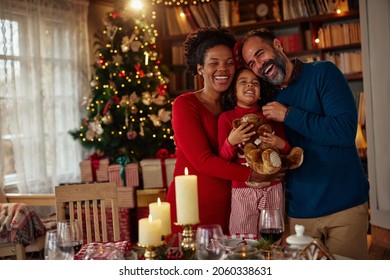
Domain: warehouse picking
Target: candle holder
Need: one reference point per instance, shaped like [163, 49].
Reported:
[150, 251]
[187, 242]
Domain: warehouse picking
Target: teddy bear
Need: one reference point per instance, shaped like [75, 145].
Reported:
[260, 156]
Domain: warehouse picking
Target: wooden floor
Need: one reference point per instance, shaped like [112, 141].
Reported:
[377, 252]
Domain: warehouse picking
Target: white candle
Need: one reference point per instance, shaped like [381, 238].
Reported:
[187, 208]
[162, 210]
[149, 231]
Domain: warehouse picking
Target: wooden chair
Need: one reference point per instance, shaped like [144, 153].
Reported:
[72, 199]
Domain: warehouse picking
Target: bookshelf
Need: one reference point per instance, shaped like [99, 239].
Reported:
[307, 20]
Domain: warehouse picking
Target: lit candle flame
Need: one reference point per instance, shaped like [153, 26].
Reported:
[150, 218]
[158, 201]
[186, 171]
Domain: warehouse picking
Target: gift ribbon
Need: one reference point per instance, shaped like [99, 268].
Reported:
[164, 172]
[95, 163]
[123, 161]
[163, 154]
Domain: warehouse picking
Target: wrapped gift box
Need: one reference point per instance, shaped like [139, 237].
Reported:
[145, 197]
[94, 170]
[126, 197]
[157, 173]
[131, 171]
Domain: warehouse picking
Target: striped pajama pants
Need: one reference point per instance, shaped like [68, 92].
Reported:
[247, 203]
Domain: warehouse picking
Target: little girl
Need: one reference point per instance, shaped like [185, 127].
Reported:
[248, 201]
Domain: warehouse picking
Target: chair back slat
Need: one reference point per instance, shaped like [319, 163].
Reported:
[94, 199]
[88, 227]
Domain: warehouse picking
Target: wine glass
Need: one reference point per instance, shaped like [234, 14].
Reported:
[271, 225]
[52, 251]
[70, 237]
[210, 243]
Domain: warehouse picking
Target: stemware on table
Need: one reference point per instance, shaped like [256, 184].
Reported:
[210, 243]
[52, 251]
[70, 237]
[271, 225]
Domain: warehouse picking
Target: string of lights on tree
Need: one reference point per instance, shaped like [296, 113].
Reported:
[128, 112]
[179, 2]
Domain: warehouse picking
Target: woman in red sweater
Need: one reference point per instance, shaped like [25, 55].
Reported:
[208, 53]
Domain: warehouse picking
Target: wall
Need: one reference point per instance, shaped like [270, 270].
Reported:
[375, 28]
[97, 12]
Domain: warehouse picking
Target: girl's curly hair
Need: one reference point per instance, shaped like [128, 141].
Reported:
[202, 39]
[229, 99]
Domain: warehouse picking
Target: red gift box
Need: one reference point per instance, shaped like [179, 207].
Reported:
[131, 171]
[94, 169]
[157, 173]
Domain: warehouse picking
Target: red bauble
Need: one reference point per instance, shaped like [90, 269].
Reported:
[122, 75]
[115, 14]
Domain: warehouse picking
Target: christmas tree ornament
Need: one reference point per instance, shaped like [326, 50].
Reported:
[164, 115]
[141, 129]
[146, 98]
[131, 134]
[107, 119]
[94, 83]
[117, 59]
[155, 120]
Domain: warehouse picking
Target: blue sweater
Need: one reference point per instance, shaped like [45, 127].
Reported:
[323, 121]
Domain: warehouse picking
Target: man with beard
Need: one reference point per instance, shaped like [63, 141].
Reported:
[328, 194]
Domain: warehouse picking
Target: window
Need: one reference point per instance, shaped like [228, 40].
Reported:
[43, 77]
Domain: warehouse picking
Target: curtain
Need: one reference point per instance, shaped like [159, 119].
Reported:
[43, 76]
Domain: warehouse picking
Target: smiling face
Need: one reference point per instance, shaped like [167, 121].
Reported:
[247, 89]
[267, 61]
[218, 69]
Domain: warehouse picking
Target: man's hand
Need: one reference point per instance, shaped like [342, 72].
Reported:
[275, 111]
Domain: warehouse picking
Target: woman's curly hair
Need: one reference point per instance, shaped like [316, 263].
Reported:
[202, 39]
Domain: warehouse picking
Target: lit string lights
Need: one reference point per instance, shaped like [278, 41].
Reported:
[179, 2]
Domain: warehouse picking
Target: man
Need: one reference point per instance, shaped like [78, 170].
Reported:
[328, 194]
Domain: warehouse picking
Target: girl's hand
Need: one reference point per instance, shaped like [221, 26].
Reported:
[273, 140]
[240, 134]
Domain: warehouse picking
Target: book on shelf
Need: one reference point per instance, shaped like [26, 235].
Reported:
[182, 21]
[190, 17]
[177, 54]
[224, 12]
[291, 42]
[339, 34]
[211, 18]
[171, 22]
[198, 16]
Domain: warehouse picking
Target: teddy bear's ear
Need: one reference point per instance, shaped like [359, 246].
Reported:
[236, 123]
[250, 118]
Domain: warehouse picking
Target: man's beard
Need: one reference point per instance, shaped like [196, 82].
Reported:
[279, 63]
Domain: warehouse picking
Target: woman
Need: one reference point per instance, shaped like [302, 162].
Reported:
[209, 53]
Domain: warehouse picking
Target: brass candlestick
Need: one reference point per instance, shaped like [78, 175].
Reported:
[188, 244]
[150, 251]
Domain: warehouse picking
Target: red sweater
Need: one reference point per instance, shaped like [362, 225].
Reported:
[236, 153]
[196, 138]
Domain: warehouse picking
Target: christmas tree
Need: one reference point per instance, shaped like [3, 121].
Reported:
[128, 112]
